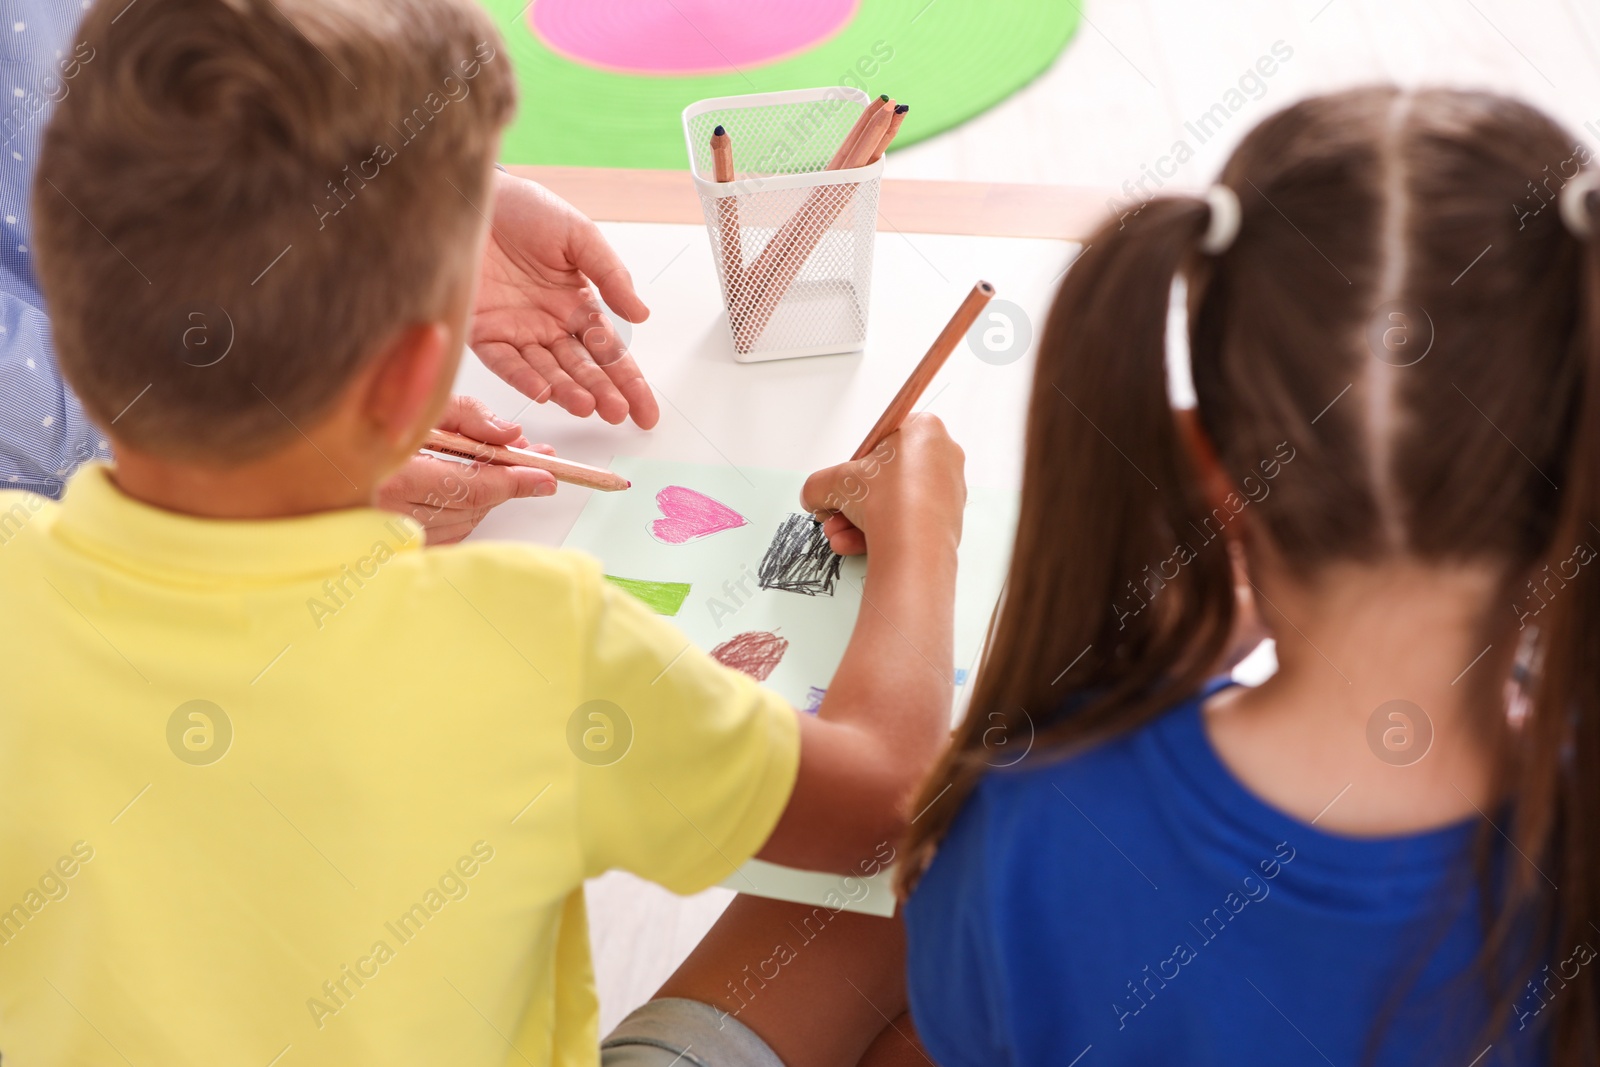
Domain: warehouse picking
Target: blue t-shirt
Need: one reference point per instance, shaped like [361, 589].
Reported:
[1136, 905]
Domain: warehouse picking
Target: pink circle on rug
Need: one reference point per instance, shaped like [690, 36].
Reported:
[685, 36]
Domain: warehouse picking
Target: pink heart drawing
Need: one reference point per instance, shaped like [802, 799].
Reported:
[689, 516]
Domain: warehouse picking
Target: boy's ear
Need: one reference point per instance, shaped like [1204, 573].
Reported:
[404, 386]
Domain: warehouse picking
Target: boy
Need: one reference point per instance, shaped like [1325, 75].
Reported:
[279, 786]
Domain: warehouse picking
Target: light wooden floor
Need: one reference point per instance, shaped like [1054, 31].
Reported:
[1116, 102]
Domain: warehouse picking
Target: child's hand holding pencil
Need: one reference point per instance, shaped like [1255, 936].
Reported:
[836, 496]
[540, 458]
[906, 496]
[450, 503]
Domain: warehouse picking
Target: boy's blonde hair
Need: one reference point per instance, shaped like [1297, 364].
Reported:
[239, 200]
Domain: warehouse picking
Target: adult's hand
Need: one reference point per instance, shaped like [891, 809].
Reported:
[450, 499]
[539, 324]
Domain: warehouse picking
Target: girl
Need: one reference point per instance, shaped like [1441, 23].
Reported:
[1393, 338]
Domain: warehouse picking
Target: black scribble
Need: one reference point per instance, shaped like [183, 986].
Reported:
[799, 559]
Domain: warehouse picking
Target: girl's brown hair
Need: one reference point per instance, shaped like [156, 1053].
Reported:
[1433, 205]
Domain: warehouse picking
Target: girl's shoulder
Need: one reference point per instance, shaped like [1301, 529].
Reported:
[1124, 809]
[1158, 806]
[1132, 768]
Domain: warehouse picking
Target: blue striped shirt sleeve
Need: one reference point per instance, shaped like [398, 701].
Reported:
[44, 434]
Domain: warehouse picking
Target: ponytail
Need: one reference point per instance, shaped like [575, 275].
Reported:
[1554, 777]
[1120, 597]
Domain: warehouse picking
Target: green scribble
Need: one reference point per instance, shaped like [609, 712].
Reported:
[663, 598]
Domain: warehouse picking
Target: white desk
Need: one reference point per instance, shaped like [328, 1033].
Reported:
[793, 414]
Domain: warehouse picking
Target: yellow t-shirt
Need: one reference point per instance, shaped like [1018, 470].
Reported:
[298, 792]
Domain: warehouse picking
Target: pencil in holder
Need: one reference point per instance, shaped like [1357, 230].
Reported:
[792, 241]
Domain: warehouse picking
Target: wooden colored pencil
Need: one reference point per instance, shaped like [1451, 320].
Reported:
[842, 153]
[841, 160]
[780, 261]
[888, 136]
[721, 155]
[927, 368]
[728, 221]
[565, 470]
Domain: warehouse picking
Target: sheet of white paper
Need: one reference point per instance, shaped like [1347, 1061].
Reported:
[680, 523]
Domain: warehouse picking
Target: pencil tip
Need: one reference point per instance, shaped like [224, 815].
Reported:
[718, 132]
[901, 109]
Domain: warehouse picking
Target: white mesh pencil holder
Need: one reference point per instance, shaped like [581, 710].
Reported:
[792, 241]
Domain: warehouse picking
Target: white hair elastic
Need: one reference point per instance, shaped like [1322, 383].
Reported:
[1224, 224]
[1575, 203]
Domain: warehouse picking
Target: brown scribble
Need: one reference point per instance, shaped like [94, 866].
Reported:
[755, 652]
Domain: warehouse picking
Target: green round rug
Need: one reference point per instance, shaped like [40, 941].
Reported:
[603, 82]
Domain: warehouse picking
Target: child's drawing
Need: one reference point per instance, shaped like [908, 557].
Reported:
[689, 516]
[683, 551]
[663, 598]
[755, 653]
[799, 559]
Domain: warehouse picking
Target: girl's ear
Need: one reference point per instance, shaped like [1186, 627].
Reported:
[1249, 630]
[1214, 483]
